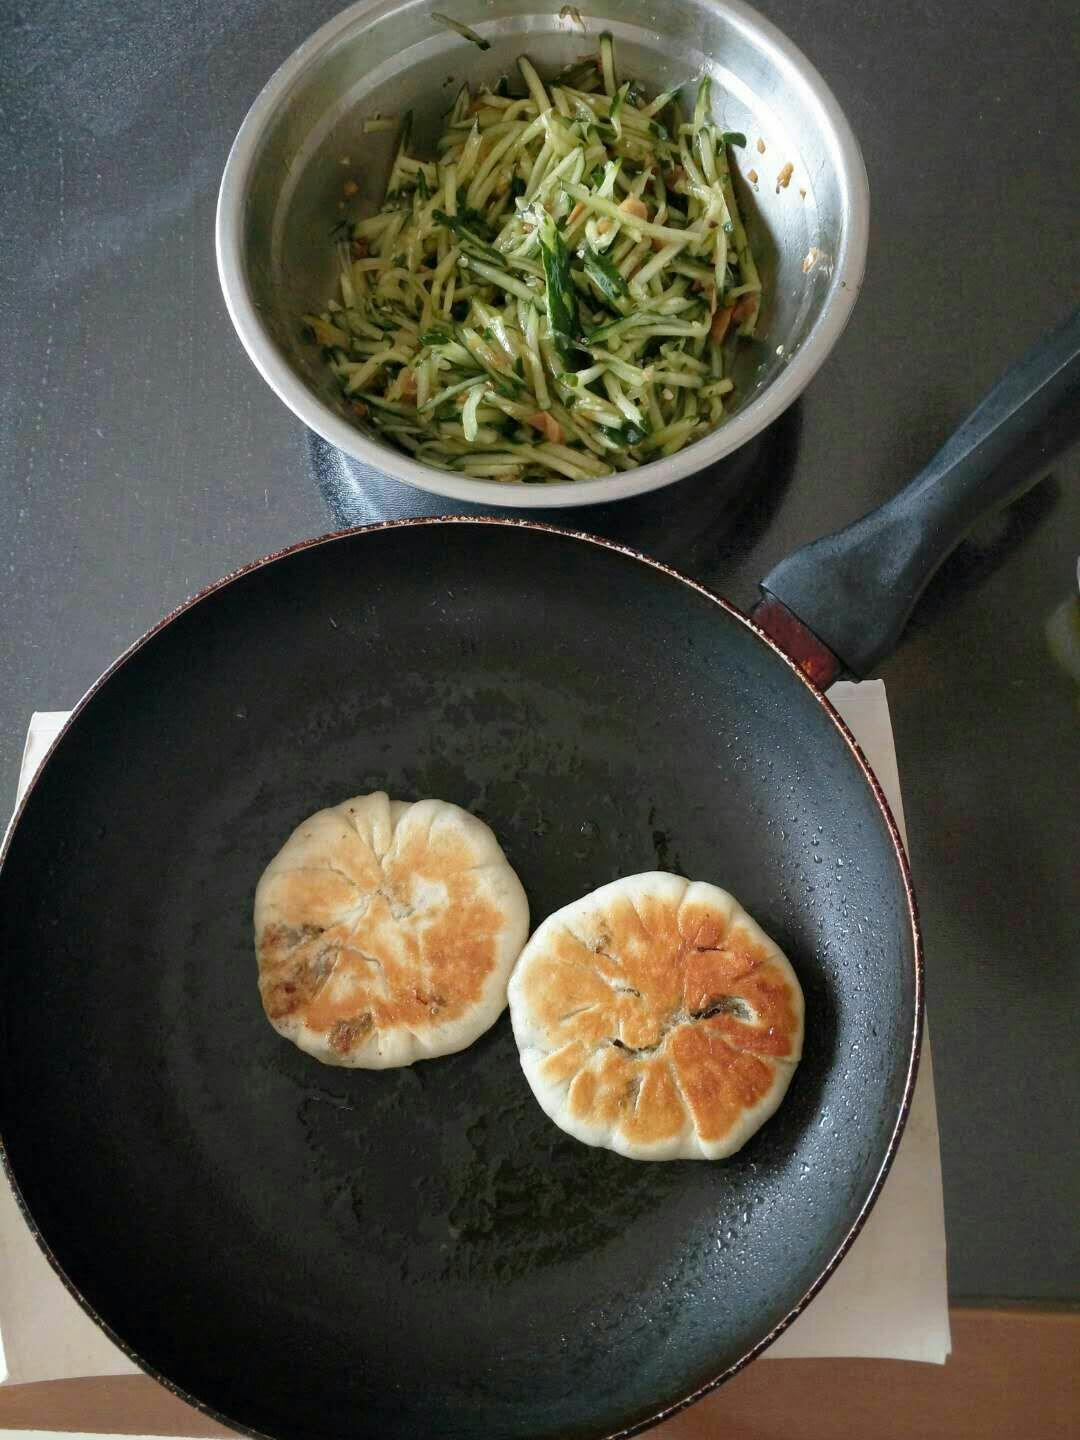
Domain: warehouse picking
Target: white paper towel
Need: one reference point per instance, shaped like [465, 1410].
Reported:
[888, 1298]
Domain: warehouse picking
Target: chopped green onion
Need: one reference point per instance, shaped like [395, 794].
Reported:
[562, 306]
[466, 234]
[604, 276]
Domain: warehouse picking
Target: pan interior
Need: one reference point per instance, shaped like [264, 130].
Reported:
[326, 1253]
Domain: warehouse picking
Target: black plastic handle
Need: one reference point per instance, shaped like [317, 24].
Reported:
[856, 589]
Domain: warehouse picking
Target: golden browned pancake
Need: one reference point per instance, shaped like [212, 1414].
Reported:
[385, 932]
[656, 1018]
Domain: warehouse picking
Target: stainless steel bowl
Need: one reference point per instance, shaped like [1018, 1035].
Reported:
[282, 193]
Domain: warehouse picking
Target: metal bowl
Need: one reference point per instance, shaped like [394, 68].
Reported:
[282, 193]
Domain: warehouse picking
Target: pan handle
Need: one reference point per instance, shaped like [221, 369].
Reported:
[856, 589]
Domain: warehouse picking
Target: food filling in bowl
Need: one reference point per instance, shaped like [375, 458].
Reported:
[559, 294]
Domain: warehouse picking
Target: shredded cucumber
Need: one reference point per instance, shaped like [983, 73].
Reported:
[550, 299]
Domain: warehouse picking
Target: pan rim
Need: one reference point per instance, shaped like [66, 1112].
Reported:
[518, 523]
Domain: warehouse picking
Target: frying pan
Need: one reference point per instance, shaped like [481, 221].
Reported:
[308, 1252]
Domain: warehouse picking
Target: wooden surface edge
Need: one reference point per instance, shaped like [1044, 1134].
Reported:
[1014, 1371]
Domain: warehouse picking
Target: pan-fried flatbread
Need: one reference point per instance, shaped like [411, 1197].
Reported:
[385, 932]
[654, 1017]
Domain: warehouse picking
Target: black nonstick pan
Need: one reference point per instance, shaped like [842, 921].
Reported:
[309, 1252]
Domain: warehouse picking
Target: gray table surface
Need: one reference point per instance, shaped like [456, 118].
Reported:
[141, 456]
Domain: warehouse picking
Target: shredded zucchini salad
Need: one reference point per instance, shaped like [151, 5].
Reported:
[559, 294]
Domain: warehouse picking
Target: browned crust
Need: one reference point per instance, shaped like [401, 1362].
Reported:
[348, 954]
[664, 1010]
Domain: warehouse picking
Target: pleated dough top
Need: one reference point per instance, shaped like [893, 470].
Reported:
[656, 1018]
[385, 932]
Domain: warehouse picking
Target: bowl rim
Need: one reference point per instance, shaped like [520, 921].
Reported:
[785, 387]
